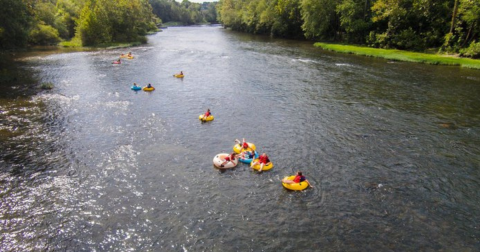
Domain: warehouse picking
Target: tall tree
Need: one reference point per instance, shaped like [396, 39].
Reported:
[106, 21]
[319, 18]
[15, 23]
[355, 18]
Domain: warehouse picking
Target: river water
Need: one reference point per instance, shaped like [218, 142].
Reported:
[391, 149]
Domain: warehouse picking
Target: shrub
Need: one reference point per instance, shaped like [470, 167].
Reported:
[44, 35]
[473, 51]
[47, 85]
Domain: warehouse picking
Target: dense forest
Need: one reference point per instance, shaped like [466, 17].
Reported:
[450, 25]
[92, 22]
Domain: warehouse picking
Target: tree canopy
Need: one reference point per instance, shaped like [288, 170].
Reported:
[451, 25]
[92, 22]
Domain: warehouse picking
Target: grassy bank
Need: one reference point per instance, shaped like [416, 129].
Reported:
[107, 46]
[76, 43]
[399, 55]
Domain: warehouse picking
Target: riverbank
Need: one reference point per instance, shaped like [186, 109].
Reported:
[75, 44]
[400, 55]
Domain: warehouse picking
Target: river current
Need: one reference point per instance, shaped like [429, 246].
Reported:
[392, 149]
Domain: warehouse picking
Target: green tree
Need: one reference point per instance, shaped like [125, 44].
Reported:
[210, 12]
[106, 21]
[319, 18]
[469, 12]
[68, 11]
[408, 24]
[230, 13]
[288, 19]
[43, 34]
[355, 19]
[15, 23]
[465, 33]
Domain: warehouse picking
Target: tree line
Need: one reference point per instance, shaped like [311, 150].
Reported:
[92, 22]
[450, 25]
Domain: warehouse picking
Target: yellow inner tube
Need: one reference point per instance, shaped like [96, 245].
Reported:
[295, 186]
[148, 89]
[266, 167]
[209, 118]
[237, 148]
[179, 75]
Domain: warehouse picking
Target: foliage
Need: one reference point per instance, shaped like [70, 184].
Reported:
[473, 51]
[451, 25]
[106, 21]
[92, 22]
[354, 16]
[319, 19]
[186, 12]
[15, 23]
[402, 24]
[274, 17]
[44, 34]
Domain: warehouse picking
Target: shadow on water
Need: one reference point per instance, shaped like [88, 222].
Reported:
[17, 79]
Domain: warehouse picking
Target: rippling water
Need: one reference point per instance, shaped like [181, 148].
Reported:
[391, 148]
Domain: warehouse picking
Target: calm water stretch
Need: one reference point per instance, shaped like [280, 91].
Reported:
[391, 148]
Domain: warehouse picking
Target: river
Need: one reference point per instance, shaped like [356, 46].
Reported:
[392, 149]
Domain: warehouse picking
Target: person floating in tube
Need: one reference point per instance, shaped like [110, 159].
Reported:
[229, 158]
[262, 160]
[298, 178]
[206, 115]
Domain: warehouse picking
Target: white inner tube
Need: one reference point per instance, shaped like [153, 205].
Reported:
[220, 158]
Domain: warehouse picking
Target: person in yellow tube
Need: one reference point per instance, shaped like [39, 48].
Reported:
[298, 178]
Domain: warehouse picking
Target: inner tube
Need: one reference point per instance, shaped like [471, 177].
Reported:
[129, 57]
[136, 88]
[179, 75]
[209, 118]
[148, 89]
[237, 148]
[219, 159]
[249, 160]
[117, 62]
[266, 167]
[295, 186]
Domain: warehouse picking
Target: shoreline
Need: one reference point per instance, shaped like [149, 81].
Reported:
[399, 55]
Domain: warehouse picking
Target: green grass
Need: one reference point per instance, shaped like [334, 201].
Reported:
[78, 43]
[75, 42]
[118, 45]
[168, 24]
[47, 85]
[399, 55]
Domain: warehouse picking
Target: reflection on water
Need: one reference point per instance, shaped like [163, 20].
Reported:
[391, 149]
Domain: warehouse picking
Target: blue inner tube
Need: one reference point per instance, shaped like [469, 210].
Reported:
[248, 160]
[136, 88]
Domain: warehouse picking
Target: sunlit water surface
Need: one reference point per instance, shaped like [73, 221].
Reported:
[391, 148]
